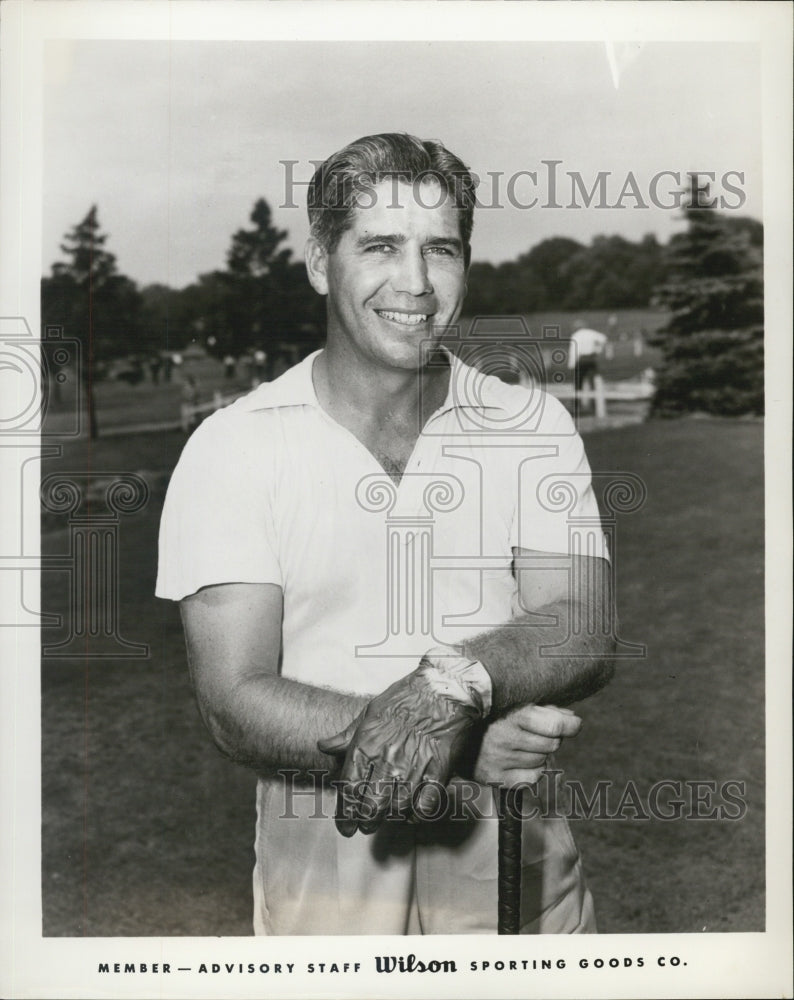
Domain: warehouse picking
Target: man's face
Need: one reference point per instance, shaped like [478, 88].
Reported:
[396, 274]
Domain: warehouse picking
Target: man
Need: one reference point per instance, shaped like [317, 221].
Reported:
[586, 347]
[377, 582]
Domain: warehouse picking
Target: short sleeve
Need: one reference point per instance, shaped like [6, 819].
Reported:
[556, 508]
[217, 520]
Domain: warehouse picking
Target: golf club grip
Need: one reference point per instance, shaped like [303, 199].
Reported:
[509, 920]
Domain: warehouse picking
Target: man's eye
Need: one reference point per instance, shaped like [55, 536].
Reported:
[379, 248]
[442, 251]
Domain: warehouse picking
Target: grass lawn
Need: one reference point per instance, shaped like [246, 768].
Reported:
[691, 588]
[148, 831]
[119, 404]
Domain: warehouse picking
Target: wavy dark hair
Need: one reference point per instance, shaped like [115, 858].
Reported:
[345, 175]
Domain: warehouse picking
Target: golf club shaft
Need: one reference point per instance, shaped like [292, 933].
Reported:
[509, 864]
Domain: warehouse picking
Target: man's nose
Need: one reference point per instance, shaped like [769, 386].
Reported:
[412, 276]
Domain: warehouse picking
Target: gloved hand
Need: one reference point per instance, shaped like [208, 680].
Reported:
[411, 733]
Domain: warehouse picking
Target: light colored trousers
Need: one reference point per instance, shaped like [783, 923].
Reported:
[432, 878]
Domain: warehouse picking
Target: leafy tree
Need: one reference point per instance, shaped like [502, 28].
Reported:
[612, 273]
[519, 288]
[548, 263]
[559, 273]
[95, 304]
[713, 345]
[482, 297]
[158, 305]
[173, 318]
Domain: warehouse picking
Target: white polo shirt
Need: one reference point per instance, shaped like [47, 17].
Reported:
[272, 490]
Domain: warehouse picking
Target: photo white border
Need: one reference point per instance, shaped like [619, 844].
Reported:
[725, 965]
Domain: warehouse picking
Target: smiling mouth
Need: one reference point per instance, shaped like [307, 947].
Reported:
[403, 318]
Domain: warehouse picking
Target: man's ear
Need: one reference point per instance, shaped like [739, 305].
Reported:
[317, 266]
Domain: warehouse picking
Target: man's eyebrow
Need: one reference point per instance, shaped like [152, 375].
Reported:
[368, 238]
[446, 241]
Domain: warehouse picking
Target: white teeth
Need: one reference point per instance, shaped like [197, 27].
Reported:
[407, 319]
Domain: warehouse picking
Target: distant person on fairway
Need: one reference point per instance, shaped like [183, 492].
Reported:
[190, 399]
[299, 535]
[260, 360]
[586, 347]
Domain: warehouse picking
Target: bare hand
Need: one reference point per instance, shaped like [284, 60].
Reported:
[515, 747]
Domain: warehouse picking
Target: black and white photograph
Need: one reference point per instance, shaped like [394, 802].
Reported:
[396, 500]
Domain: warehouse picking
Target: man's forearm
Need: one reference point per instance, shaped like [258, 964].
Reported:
[269, 723]
[523, 672]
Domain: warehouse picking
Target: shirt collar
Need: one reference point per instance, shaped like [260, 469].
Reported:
[468, 388]
[293, 388]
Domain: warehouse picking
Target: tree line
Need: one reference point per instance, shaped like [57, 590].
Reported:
[709, 277]
[261, 297]
[561, 273]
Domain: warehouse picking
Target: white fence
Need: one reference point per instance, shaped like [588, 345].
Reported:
[599, 394]
[192, 413]
[595, 397]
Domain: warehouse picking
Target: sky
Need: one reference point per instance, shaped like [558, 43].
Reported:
[174, 141]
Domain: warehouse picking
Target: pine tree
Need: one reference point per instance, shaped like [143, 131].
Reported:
[255, 252]
[712, 347]
[95, 304]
